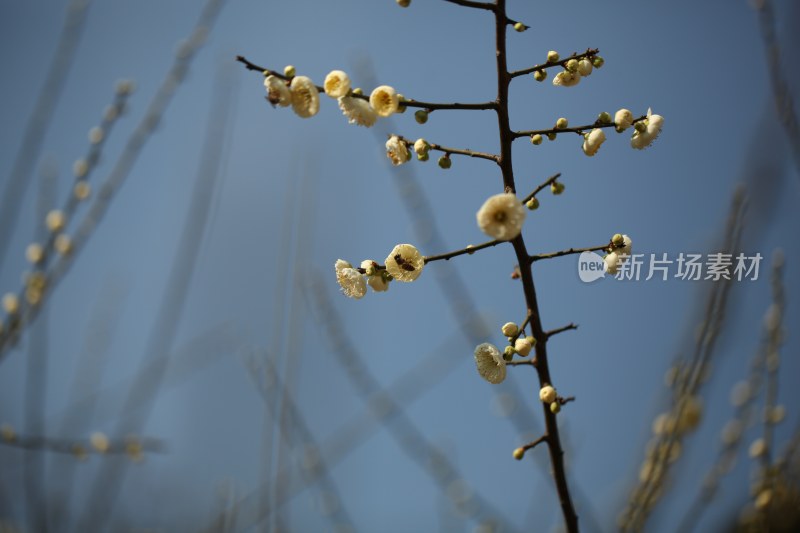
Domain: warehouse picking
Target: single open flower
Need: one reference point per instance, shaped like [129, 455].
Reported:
[501, 216]
[357, 111]
[405, 263]
[278, 92]
[384, 100]
[305, 97]
[490, 363]
[352, 282]
[642, 140]
[397, 150]
[566, 78]
[337, 84]
[592, 142]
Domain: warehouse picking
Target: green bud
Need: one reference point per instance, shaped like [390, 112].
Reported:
[552, 56]
[555, 407]
[519, 453]
[289, 71]
[540, 75]
[509, 329]
[598, 62]
[358, 90]
[551, 136]
[508, 353]
[403, 3]
[423, 156]
[561, 123]
[520, 27]
[421, 116]
[536, 139]
[556, 187]
[444, 162]
[533, 203]
[604, 118]
[617, 240]
[572, 65]
[640, 126]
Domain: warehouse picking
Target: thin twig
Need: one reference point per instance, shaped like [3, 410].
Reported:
[468, 250]
[569, 251]
[538, 189]
[580, 130]
[562, 329]
[589, 53]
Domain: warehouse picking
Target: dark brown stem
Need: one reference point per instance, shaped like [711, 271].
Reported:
[562, 329]
[458, 151]
[408, 102]
[506, 140]
[470, 3]
[590, 53]
[570, 251]
[538, 189]
[534, 444]
[468, 250]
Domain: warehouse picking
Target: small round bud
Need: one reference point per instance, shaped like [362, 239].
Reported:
[640, 126]
[509, 329]
[445, 162]
[82, 190]
[618, 240]
[585, 67]
[63, 244]
[99, 442]
[508, 353]
[358, 90]
[533, 204]
[547, 394]
[519, 453]
[80, 168]
[403, 3]
[556, 187]
[470, 249]
[561, 123]
[96, 135]
[598, 61]
[552, 56]
[572, 65]
[289, 71]
[540, 75]
[423, 157]
[520, 27]
[421, 146]
[551, 136]
[34, 253]
[758, 448]
[523, 347]
[421, 116]
[11, 303]
[555, 408]
[55, 220]
[604, 118]
[536, 139]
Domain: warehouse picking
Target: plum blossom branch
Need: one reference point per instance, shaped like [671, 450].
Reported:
[468, 250]
[539, 189]
[476, 5]
[448, 150]
[580, 130]
[97, 444]
[562, 329]
[407, 102]
[589, 54]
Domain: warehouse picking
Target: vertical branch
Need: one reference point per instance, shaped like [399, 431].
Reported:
[506, 138]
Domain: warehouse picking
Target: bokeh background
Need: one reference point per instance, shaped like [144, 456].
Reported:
[281, 198]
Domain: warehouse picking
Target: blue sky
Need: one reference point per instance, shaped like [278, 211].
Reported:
[327, 186]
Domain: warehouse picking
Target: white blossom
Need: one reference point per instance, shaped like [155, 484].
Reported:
[627, 245]
[612, 262]
[305, 96]
[277, 91]
[352, 282]
[490, 363]
[421, 147]
[592, 141]
[623, 119]
[337, 84]
[585, 67]
[384, 100]
[642, 140]
[357, 111]
[397, 150]
[523, 346]
[501, 216]
[405, 263]
[376, 278]
[566, 78]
